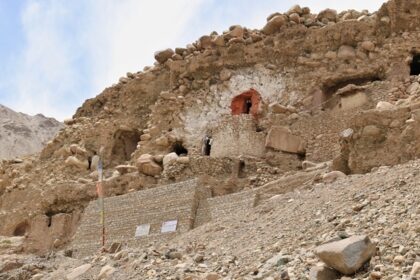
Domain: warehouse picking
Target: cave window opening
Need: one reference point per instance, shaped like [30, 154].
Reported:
[415, 65]
[125, 143]
[89, 162]
[208, 141]
[179, 149]
[21, 229]
[248, 105]
[241, 169]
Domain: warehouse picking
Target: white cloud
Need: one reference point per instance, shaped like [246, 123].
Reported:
[43, 70]
[125, 34]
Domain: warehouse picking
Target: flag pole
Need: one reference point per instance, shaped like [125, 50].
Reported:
[100, 191]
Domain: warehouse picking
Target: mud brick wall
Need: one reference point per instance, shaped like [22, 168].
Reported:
[220, 206]
[236, 136]
[124, 213]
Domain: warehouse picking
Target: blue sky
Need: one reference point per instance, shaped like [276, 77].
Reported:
[54, 54]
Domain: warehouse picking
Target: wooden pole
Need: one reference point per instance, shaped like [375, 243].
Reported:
[100, 191]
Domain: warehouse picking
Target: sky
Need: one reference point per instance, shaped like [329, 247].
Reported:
[54, 54]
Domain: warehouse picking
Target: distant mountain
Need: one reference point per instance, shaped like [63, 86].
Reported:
[21, 134]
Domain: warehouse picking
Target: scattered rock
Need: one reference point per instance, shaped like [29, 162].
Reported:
[106, 272]
[322, 273]
[146, 165]
[347, 255]
[274, 24]
[163, 56]
[78, 272]
[346, 53]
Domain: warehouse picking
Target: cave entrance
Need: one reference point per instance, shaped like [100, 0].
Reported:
[21, 229]
[328, 97]
[246, 103]
[125, 143]
[179, 149]
[208, 141]
[415, 65]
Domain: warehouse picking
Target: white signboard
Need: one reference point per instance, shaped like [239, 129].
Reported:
[142, 230]
[169, 226]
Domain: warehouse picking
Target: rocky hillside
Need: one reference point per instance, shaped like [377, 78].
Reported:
[316, 115]
[22, 135]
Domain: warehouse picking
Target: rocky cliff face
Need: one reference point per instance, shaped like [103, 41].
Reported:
[274, 110]
[22, 135]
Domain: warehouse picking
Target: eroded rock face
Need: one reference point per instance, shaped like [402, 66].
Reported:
[306, 66]
[347, 255]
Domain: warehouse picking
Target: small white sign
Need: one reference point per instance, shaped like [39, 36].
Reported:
[142, 230]
[169, 226]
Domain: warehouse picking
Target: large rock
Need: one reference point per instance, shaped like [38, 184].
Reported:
[146, 165]
[280, 138]
[236, 31]
[346, 52]
[74, 161]
[274, 24]
[328, 14]
[347, 255]
[383, 105]
[322, 273]
[415, 271]
[163, 56]
[169, 158]
[124, 169]
[106, 272]
[78, 271]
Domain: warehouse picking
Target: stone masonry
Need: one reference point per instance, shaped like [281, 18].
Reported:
[187, 202]
[124, 213]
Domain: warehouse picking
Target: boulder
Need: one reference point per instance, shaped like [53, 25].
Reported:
[281, 138]
[212, 276]
[146, 165]
[218, 41]
[274, 24]
[169, 158]
[322, 273]
[328, 14]
[296, 9]
[164, 55]
[225, 75]
[74, 161]
[346, 52]
[183, 160]
[124, 169]
[106, 272]
[383, 105]
[162, 141]
[78, 271]
[332, 176]
[295, 17]
[415, 271]
[205, 41]
[368, 46]
[347, 255]
[236, 31]
[77, 150]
